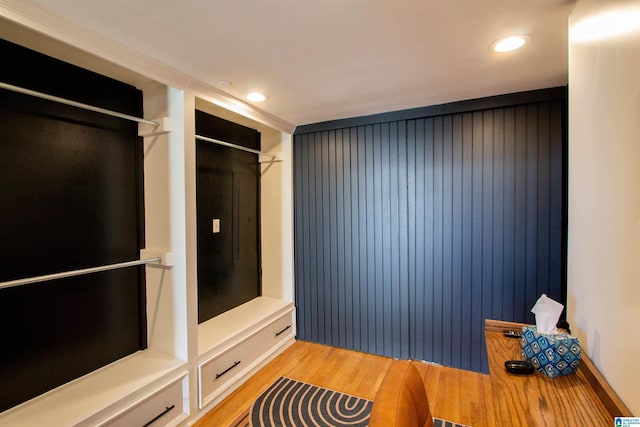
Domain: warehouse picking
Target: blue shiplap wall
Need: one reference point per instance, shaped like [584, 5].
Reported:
[410, 232]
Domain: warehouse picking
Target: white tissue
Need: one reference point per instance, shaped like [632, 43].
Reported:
[547, 312]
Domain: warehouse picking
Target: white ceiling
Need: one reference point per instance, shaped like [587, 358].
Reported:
[319, 60]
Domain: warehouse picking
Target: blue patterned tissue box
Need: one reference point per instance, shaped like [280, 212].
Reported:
[551, 354]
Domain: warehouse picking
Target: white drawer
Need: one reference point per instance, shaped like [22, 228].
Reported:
[279, 330]
[219, 372]
[223, 371]
[164, 407]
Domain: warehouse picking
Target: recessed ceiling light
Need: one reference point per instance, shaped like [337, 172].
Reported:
[255, 97]
[510, 43]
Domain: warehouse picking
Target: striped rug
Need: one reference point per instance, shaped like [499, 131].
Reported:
[293, 403]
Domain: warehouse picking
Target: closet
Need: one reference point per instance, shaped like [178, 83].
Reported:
[171, 368]
[72, 190]
[258, 319]
[228, 212]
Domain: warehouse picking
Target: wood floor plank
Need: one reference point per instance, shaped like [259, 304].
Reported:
[456, 395]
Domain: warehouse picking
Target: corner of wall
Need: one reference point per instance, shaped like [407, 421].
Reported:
[604, 204]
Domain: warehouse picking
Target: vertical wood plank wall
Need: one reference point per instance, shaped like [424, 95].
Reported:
[409, 233]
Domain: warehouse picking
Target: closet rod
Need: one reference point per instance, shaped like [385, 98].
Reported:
[36, 279]
[239, 147]
[76, 104]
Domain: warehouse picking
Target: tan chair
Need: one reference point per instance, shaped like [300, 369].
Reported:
[401, 399]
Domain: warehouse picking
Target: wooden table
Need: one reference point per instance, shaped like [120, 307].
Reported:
[580, 399]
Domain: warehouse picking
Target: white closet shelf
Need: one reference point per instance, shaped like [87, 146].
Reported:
[238, 323]
[107, 389]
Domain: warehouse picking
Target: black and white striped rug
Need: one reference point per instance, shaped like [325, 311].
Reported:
[294, 403]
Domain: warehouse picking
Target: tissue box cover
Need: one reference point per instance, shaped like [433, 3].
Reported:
[551, 354]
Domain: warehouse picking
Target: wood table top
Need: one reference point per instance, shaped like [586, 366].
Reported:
[537, 400]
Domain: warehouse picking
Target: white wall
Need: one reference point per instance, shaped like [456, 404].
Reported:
[604, 199]
[164, 223]
[277, 218]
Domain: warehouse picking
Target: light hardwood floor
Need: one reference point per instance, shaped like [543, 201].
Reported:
[454, 394]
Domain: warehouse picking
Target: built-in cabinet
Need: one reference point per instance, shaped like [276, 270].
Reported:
[234, 344]
[187, 368]
[228, 208]
[165, 405]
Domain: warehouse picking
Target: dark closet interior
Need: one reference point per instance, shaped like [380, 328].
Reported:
[71, 197]
[227, 193]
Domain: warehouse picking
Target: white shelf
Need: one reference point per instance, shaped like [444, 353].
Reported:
[236, 324]
[103, 390]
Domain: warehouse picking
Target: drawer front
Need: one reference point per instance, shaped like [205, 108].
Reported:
[221, 370]
[265, 339]
[162, 408]
[279, 330]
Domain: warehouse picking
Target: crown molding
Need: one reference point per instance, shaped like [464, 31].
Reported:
[34, 18]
